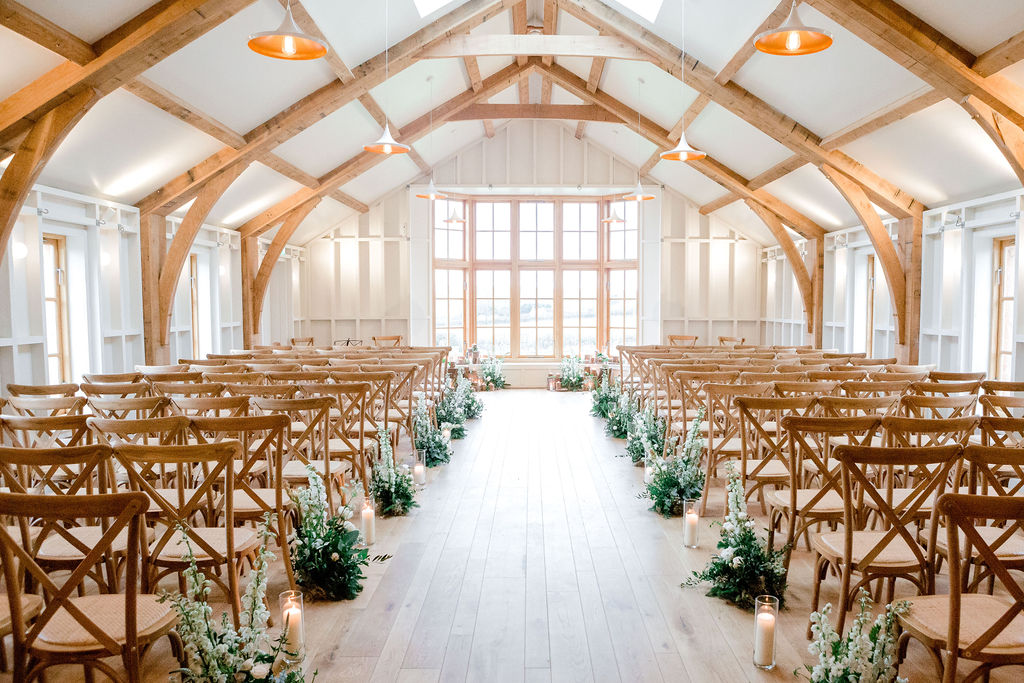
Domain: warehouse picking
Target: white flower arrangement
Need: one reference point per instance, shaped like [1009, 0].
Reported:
[490, 373]
[472, 406]
[678, 476]
[868, 652]
[391, 487]
[436, 446]
[571, 373]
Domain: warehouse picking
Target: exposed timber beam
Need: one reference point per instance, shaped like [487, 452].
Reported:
[723, 201]
[659, 136]
[322, 102]
[1006, 53]
[925, 52]
[581, 128]
[570, 112]
[473, 72]
[519, 26]
[534, 45]
[39, 29]
[364, 161]
[551, 26]
[35, 150]
[545, 92]
[262, 280]
[121, 56]
[897, 111]
[747, 50]
[1007, 137]
[691, 113]
[741, 102]
[593, 83]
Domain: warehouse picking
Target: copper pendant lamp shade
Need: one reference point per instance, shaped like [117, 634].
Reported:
[287, 42]
[793, 38]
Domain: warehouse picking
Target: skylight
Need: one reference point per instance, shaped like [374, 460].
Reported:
[648, 9]
[425, 7]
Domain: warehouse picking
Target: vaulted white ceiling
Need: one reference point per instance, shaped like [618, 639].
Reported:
[125, 148]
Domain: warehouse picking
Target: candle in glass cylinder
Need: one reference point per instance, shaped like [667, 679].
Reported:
[292, 616]
[419, 474]
[369, 523]
[446, 433]
[765, 610]
[691, 524]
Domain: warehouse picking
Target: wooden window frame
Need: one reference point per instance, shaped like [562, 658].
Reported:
[60, 275]
[869, 342]
[558, 265]
[193, 292]
[999, 245]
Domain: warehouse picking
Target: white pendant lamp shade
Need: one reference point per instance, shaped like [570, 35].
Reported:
[454, 217]
[638, 195]
[793, 38]
[683, 151]
[387, 144]
[287, 42]
[431, 192]
[614, 217]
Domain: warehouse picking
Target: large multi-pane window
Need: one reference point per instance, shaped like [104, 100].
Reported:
[55, 304]
[535, 278]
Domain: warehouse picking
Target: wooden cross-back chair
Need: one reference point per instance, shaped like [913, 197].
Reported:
[1002, 406]
[400, 406]
[245, 377]
[118, 390]
[1005, 432]
[258, 476]
[200, 502]
[301, 341]
[689, 386]
[993, 387]
[114, 378]
[764, 444]
[818, 388]
[173, 389]
[979, 627]
[731, 341]
[931, 387]
[189, 375]
[937, 406]
[682, 340]
[263, 390]
[46, 432]
[865, 388]
[812, 495]
[211, 406]
[890, 550]
[387, 340]
[725, 435]
[893, 376]
[164, 431]
[46, 406]
[854, 406]
[312, 363]
[73, 627]
[378, 399]
[346, 437]
[59, 472]
[134, 408]
[297, 377]
[42, 389]
[305, 439]
[161, 369]
[903, 432]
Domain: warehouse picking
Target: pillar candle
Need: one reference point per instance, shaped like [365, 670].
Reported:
[369, 525]
[419, 474]
[690, 529]
[764, 639]
[293, 629]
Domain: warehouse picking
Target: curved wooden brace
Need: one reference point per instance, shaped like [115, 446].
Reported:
[1009, 138]
[895, 276]
[277, 245]
[803, 278]
[177, 253]
[34, 151]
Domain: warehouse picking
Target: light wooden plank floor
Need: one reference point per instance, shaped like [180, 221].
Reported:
[531, 558]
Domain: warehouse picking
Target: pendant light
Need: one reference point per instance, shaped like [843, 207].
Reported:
[431, 192]
[794, 37]
[287, 42]
[683, 151]
[454, 218]
[614, 217]
[638, 195]
[386, 144]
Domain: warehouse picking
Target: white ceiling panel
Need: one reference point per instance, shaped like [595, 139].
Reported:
[90, 20]
[222, 77]
[406, 96]
[811, 193]
[124, 148]
[832, 89]
[382, 178]
[662, 98]
[30, 63]
[739, 215]
[580, 66]
[448, 139]
[325, 216]
[936, 155]
[257, 189]
[331, 141]
[734, 142]
[688, 181]
[507, 96]
[977, 25]
[561, 96]
[621, 141]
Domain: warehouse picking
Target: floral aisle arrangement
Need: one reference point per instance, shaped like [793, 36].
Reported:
[391, 487]
[646, 435]
[678, 477]
[868, 652]
[571, 373]
[218, 652]
[436, 447]
[620, 418]
[450, 412]
[325, 557]
[744, 567]
[490, 373]
[472, 406]
[605, 397]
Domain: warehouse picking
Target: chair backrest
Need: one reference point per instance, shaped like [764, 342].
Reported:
[723, 420]
[42, 389]
[874, 387]
[994, 470]
[996, 387]
[872, 361]
[159, 369]
[682, 340]
[266, 390]
[1002, 431]
[274, 367]
[387, 340]
[116, 378]
[245, 377]
[212, 406]
[897, 367]
[819, 388]
[122, 390]
[852, 406]
[196, 363]
[188, 388]
[378, 400]
[730, 341]
[57, 471]
[124, 515]
[133, 408]
[46, 432]
[928, 405]
[940, 376]
[1002, 406]
[963, 514]
[893, 376]
[763, 439]
[837, 375]
[936, 388]
[301, 341]
[46, 406]
[159, 430]
[186, 376]
[930, 469]
[296, 377]
[758, 377]
[904, 432]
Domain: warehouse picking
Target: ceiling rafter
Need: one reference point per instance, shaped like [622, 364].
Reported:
[476, 82]
[534, 45]
[995, 59]
[689, 116]
[593, 83]
[569, 112]
[550, 25]
[747, 50]
[713, 169]
[320, 103]
[519, 26]
[364, 161]
[742, 103]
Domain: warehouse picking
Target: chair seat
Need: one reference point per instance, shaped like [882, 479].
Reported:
[681, 427]
[63, 632]
[31, 605]
[899, 495]
[56, 548]
[929, 616]
[829, 504]
[295, 470]
[731, 445]
[245, 540]
[171, 495]
[774, 470]
[896, 554]
[1011, 550]
[877, 441]
[338, 446]
[245, 505]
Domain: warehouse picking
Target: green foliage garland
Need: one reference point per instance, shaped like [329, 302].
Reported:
[620, 418]
[436, 447]
[645, 435]
[604, 397]
[678, 477]
[571, 373]
[490, 373]
[392, 487]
